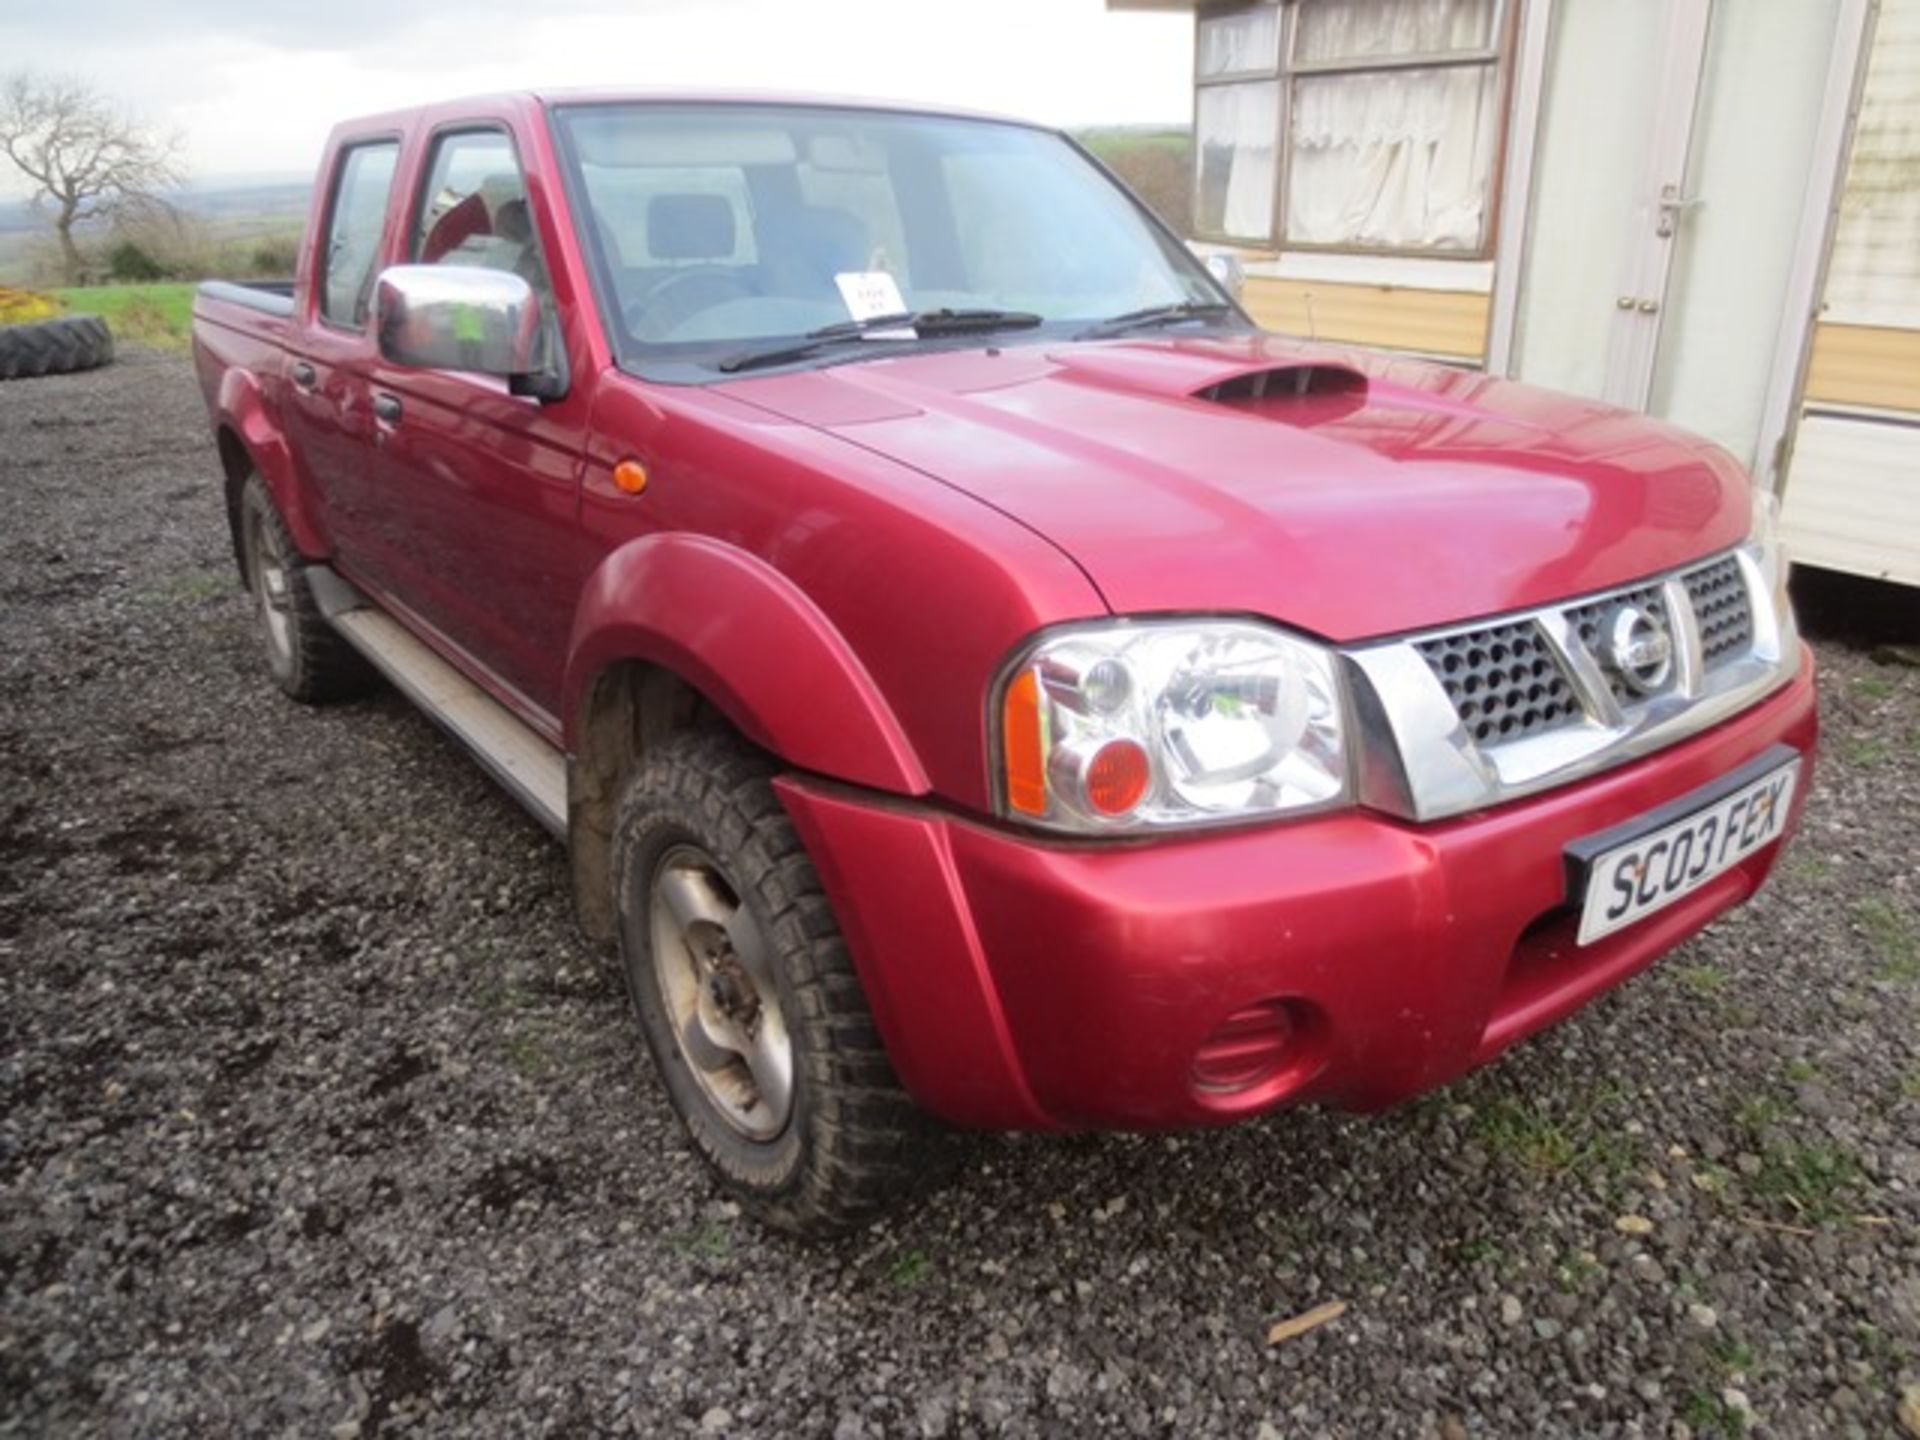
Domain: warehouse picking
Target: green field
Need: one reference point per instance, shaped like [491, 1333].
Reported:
[157, 315]
[1154, 162]
[1112, 141]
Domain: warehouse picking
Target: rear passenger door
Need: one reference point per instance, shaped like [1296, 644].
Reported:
[477, 485]
[327, 404]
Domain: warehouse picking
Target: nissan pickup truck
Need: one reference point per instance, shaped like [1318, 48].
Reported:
[982, 680]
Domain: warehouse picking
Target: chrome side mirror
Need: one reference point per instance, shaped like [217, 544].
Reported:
[460, 317]
[1229, 270]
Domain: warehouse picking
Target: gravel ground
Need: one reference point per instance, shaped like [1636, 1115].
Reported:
[316, 1116]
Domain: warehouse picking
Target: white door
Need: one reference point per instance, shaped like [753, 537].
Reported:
[1661, 207]
[1671, 173]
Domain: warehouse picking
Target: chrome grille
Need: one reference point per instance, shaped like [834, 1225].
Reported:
[1589, 622]
[1486, 713]
[1723, 610]
[1503, 681]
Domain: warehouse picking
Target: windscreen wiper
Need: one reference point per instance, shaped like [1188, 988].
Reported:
[1156, 315]
[922, 323]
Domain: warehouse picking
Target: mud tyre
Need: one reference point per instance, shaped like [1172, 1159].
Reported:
[307, 657]
[54, 347]
[747, 997]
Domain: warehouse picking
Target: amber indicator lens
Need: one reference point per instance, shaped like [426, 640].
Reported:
[1026, 746]
[630, 477]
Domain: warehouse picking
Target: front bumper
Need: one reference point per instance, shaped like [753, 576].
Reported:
[1028, 983]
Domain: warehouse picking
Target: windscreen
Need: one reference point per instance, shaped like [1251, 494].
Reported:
[715, 227]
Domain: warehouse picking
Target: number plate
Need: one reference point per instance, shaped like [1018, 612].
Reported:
[1632, 879]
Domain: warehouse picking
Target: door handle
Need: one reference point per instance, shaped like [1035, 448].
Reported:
[304, 375]
[387, 408]
[1673, 205]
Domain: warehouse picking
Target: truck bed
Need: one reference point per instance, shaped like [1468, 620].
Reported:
[269, 297]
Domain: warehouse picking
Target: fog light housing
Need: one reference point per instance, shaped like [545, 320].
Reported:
[1248, 1048]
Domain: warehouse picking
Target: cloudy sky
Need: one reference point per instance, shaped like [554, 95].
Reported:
[254, 84]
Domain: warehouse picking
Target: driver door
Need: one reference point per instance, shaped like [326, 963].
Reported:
[479, 487]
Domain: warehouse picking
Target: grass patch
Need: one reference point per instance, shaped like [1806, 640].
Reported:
[1885, 1355]
[1575, 1271]
[1811, 1181]
[1526, 1134]
[1712, 1178]
[527, 1055]
[1866, 754]
[1801, 1071]
[1702, 980]
[1734, 1357]
[1892, 938]
[503, 996]
[1874, 687]
[911, 1268]
[1708, 1415]
[1814, 1181]
[538, 1046]
[1810, 868]
[1109, 142]
[1706, 1409]
[1473, 1251]
[709, 1242]
[1761, 1114]
[195, 589]
[156, 315]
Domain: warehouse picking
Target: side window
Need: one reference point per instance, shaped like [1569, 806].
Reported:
[353, 231]
[474, 210]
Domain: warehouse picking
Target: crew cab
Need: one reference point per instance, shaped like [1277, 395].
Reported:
[981, 678]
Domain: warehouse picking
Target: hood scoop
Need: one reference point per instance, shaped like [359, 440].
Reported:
[1253, 372]
[1277, 390]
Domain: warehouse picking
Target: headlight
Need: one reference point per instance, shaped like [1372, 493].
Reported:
[1155, 724]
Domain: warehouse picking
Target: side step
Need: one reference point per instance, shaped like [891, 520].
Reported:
[533, 772]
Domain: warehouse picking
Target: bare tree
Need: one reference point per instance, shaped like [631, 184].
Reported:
[86, 159]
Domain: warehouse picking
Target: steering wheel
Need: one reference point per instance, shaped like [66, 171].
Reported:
[681, 296]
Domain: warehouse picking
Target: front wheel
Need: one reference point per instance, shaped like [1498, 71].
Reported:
[748, 998]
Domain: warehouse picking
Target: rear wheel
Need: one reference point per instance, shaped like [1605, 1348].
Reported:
[748, 998]
[306, 655]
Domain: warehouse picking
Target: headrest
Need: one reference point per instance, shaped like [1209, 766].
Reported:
[690, 227]
[513, 221]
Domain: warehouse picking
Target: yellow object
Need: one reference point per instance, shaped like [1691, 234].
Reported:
[1874, 366]
[1285, 1330]
[23, 307]
[1397, 317]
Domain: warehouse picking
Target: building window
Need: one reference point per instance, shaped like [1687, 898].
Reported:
[1350, 124]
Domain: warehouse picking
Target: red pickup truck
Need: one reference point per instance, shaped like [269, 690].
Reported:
[979, 674]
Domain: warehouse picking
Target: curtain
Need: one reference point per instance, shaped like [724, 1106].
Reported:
[1237, 44]
[1237, 127]
[1331, 30]
[1397, 158]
